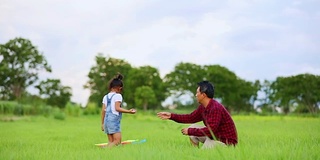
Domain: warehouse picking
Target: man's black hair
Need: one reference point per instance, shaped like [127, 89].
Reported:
[207, 88]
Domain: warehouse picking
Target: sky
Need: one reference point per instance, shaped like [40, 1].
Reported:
[255, 39]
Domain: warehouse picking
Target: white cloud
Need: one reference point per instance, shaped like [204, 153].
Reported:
[253, 38]
[194, 43]
[294, 12]
[291, 69]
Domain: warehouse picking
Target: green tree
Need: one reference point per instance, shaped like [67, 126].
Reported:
[246, 96]
[181, 83]
[265, 101]
[144, 96]
[183, 79]
[303, 89]
[100, 75]
[235, 93]
[20, 63]
[224, 80]
[144, 76]
[54, 93]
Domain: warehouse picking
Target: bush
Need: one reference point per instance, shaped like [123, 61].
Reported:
[8, 107]
[301, 109]
[19, 109]
[46, 110]
[58, 114]
[91, 108]
[73, 109]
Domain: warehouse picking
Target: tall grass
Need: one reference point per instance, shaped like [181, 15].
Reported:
[74, 138]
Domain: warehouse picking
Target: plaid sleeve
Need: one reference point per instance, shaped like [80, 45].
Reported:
[193, 117]
[212, 121]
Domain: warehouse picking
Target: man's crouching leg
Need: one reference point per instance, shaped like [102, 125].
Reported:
[195, 140]
[209, 143]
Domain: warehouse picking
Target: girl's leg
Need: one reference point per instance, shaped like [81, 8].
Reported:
[110, 138]
[116, 139]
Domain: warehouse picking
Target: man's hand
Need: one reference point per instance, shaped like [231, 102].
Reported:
[184, 131]
[164, 115]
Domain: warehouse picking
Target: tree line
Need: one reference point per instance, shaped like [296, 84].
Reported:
[21, 63]
[144, 88]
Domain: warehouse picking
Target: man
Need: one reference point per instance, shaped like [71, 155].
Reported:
[219, 127]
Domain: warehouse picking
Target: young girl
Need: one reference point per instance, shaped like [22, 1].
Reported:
[112, 112]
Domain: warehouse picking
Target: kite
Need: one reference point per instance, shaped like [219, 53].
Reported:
[136, 141]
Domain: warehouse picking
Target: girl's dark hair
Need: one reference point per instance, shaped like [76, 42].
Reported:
[116, 81]
[207, 88]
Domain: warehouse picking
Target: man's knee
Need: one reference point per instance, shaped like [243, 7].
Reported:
[197, 139]
[195, 126]
[209, 143]
[194, 139]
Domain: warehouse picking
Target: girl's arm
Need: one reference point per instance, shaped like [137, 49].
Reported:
[103, 112]
[122, 110]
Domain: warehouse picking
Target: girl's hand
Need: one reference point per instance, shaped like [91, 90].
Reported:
[132, 111]
[102, 127]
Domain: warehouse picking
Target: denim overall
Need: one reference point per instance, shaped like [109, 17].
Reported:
[111, 121]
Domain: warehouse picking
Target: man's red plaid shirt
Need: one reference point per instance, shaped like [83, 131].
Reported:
[216, 119]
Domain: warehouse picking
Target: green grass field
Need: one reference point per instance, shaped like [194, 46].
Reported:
[74, 138]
